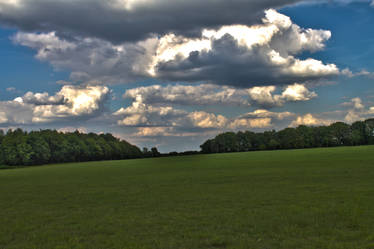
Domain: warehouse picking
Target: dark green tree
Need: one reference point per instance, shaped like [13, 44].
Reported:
[49, 146]
[336, 134]
[155, 152]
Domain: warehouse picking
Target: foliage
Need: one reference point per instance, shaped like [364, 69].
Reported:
[19, 148]
[336, 134]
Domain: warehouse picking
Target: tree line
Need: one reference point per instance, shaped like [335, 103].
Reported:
[336, 134]
[18, 147]
[21, 148]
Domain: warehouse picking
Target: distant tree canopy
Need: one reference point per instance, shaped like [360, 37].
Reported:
[18, 147]
[336, 134]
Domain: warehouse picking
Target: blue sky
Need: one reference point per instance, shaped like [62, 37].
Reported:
[172, 84]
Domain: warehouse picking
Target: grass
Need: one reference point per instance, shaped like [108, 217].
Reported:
[315, 198]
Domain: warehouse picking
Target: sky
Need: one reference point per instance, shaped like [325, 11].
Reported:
[173, 73]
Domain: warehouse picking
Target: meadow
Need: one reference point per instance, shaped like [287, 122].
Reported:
[313, 198]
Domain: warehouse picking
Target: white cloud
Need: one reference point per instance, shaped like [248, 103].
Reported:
[129, 5]
[203, 119]
[3, 118]
[357, 103]
[153, 106]
[70, 102]
[250, 123]
[70, 129]
[261, 113]
[42, 99]
[355, 110]
[141, 114]
[264, 96]
[259, 119]
[154, 132]
[310, 120]
[207, 94]
[84, 100]
[256, 54]
[365, 73]
[175, 122]
[172, 46]
[358, 111]
[347, 72]
[45, 43]
[79, 101]
[352, 116]
[204, 94]
[144, 115]
[297, 92]
[10, 2]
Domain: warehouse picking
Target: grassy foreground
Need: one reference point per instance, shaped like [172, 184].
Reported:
[317, 198]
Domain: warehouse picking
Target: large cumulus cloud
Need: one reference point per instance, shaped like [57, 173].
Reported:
[244, 55]
[237, 55]
[71, 103]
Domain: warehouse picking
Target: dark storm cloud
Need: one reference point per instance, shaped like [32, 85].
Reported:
[111, 20]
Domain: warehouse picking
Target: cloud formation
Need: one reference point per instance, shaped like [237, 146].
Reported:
[163, 107]
[208, 94]
[261, 113]
[91, 59]
[237, 55]
[135, 19]
[241, 55]
[71, 102]
[310, 120]
[153, 107]
[204, 94]
[259, 119]
[177, 121]
[265, 97]
[357, 110]
[347, 72]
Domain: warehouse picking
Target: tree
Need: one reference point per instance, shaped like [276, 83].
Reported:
[25, 153]
[146, 152]
[49, 146]
[41, 152]
[360, 133]
[1, 147]
[337, 134]
[370, 124]
[155, 152]
[341, 133]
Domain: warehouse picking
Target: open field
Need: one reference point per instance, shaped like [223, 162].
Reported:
[316, 198]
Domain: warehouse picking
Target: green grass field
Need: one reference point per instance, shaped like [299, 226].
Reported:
[316, 198]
